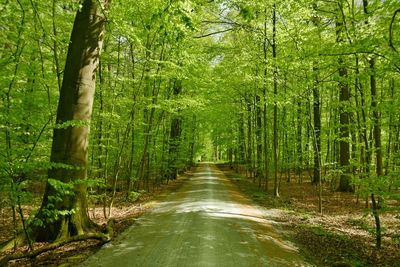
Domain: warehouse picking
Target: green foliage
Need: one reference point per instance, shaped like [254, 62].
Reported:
[321, 231]
[51, 211]
[63, 189]
[384, 186]
[246, 13]
[51, 215]
[259, 196]
[396, 239]
[227, 79]
[362, 223]
[332, 177]
[133, 196]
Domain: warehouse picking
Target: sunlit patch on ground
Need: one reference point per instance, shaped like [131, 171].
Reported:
[344, 233]
[206, 223]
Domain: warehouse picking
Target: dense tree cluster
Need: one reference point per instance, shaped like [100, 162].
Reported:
[278, 88]
[315, 89]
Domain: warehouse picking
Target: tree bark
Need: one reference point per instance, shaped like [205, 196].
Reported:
[249, 137]
[316, 111]
[71, 136]
[192, 142]
[299, 143]
[175, 137]
[317, 127]
[275, 143]
[265, 134]
[241, 137]
[259, 151]
[344, 116]
[376, 201]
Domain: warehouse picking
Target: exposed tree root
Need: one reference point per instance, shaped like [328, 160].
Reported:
[31, 254]
[104, 237]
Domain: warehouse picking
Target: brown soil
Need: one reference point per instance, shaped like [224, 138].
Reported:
[124, 213]
[342, 236]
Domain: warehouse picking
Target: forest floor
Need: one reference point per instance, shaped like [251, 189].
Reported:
[344, 234]
[124, 212]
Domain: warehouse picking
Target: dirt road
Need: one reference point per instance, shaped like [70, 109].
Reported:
[206, 223]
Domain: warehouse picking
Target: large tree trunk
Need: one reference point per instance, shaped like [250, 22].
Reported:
[64, 214]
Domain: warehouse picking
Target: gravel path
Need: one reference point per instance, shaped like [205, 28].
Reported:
[207, 222]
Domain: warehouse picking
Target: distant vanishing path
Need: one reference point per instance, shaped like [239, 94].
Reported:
[206, 223]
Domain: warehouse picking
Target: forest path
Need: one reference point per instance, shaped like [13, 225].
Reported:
[207, 222]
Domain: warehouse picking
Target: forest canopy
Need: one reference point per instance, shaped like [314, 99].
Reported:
[99, 97]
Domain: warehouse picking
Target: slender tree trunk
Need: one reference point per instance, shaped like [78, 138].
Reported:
[259, 140]
[133, 117]
[242, 141]
[299, 142]
[275, 144]
[175, 136]
[389, 156]
[344, 117]
[285, 147]
[254, 139]
[377, 122]
[265, 134]
[192, 142]
[249, 138]
[143, 171]
[362, 126]
[317, 113]
[317, 127]
[376, 206]
[55, 45]
[378, 150]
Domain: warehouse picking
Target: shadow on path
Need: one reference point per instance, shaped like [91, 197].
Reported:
[206, 223]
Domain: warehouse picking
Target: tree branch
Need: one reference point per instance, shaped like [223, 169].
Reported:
[360, 52]
[213, 33]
